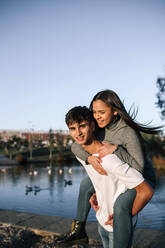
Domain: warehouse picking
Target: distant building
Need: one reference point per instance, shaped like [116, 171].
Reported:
[7, 134]
[41, 135]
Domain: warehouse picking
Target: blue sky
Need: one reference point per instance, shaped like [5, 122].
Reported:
[56, 54]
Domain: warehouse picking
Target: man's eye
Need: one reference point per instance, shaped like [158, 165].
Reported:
[71, 128]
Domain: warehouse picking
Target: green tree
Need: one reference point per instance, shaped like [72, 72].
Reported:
[16, 141]
[161, 96]
[51, 142]
[60, 142]
[9, 147]
[31, 146]
[155, 145]
[68, 142]
[2, 143]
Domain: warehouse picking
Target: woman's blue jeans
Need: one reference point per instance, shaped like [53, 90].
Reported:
[122, 219]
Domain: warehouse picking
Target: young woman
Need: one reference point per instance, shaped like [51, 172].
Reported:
[116, 126]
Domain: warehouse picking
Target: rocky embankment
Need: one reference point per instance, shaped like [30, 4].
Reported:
[12, 236]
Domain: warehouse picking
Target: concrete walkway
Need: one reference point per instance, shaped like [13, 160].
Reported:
[44, 224]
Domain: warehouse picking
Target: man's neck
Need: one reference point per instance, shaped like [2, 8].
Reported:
[93, 147]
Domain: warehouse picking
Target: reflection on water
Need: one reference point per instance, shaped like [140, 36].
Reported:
[41, 189]
[153, 215]
[53, 190]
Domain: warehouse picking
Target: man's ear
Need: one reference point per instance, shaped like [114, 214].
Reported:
[93, 126]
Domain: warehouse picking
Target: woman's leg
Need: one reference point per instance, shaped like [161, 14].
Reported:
[134, 222]
[106, 237]
[122, 219]
[83, 205]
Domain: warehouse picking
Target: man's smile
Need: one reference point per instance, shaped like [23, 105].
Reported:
[80, 138]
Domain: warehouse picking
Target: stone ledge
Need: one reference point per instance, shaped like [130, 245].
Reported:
[49, 226]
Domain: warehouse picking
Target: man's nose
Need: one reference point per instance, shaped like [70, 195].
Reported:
[78, 131]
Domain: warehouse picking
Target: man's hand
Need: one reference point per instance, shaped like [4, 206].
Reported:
[93, 202]
[110, 220]
[106, 149]
[96, 163]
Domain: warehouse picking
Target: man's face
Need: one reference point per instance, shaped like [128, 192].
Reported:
[81, 132]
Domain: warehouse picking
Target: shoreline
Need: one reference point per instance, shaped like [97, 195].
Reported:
[50, 226]
[4, 161]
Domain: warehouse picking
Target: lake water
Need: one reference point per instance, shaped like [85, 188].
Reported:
[41, 189]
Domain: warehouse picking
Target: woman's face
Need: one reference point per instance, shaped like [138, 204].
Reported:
[103, 113]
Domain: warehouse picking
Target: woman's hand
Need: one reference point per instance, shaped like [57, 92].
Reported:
[110, 220]
[106, 149]
[96, 163]
[93, 202]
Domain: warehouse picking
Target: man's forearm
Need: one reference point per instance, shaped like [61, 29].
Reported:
[143, 196]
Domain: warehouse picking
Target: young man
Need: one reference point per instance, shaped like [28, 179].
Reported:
[120, 176]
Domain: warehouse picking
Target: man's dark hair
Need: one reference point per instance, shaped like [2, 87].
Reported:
[78, 114]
